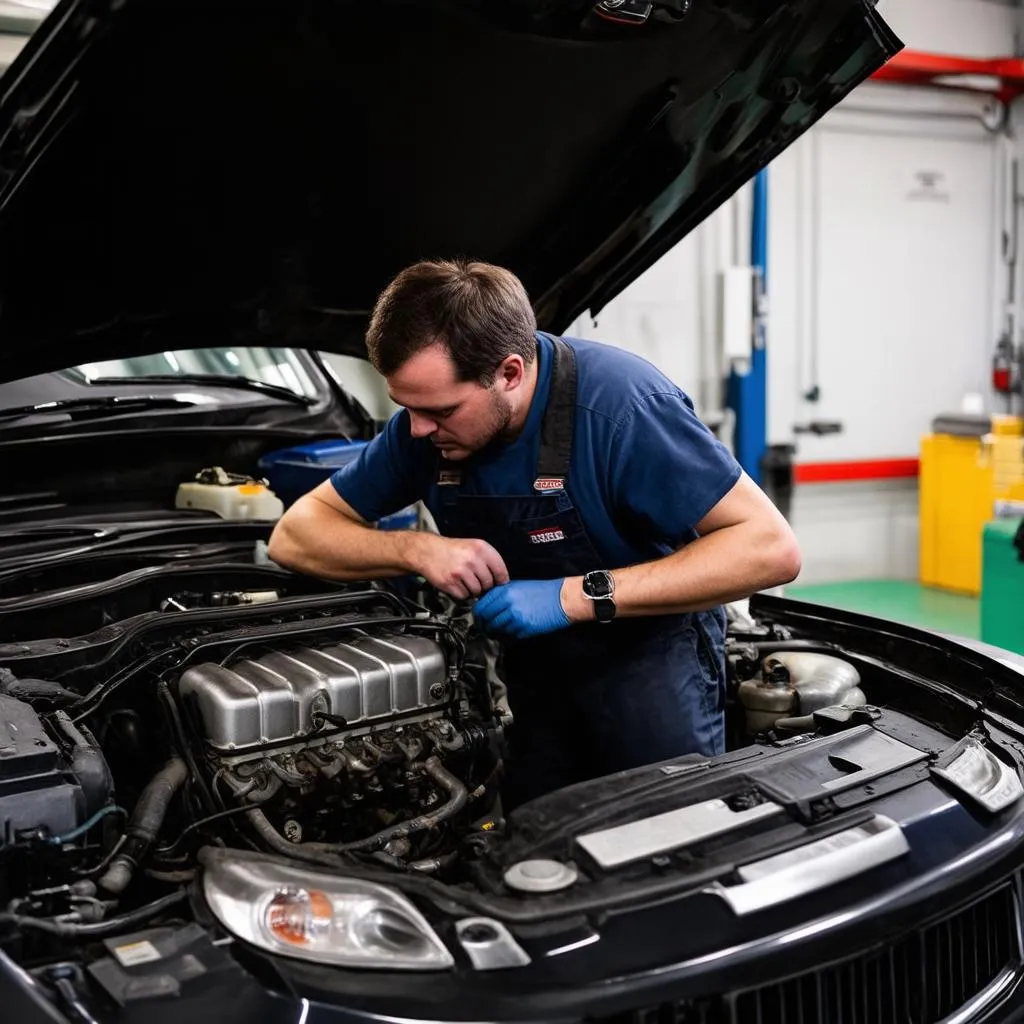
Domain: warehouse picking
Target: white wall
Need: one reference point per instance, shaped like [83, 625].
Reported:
[884, 271]
[857, 531]
[966, 28]
[670, 314]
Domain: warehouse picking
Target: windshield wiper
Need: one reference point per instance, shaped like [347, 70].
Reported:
[219, 380]
[94, 408]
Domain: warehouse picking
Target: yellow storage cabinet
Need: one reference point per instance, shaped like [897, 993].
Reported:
[962, 477]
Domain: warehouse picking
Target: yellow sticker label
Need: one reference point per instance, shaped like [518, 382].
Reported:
[137, 953]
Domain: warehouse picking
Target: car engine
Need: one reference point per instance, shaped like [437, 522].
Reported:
[331, 744]
[338, 728]
[352, 726]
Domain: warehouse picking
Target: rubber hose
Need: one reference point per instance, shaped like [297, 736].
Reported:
[30, 690]
[88, 764]
[391, 860]
[457, 800]
[326, 853]
[431, 864]
[86, 825]
[484, 786]
[177, 877]
[98, 929]
[300, 851]
[145, 824]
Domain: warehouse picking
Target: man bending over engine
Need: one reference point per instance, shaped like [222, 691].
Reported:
[599, 523]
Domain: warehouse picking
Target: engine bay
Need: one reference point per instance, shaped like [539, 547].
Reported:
[198, 716]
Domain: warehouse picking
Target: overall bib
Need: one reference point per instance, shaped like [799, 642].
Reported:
[594, 698]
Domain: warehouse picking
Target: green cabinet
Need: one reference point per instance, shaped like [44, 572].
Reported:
[1002, 587]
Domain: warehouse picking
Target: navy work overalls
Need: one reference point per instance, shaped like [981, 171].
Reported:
[594, 698]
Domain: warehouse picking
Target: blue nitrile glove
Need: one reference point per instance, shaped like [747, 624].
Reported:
[522, 608]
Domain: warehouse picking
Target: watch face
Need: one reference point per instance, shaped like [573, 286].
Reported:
[599, 584]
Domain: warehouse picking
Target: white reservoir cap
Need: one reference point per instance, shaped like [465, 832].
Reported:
[540, 876]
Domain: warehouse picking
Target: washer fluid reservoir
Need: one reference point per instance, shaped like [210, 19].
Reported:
[229, 496]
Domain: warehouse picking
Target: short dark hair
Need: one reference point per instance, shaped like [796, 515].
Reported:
[479, 312]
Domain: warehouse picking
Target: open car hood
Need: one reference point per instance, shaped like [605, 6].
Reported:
[196, 172]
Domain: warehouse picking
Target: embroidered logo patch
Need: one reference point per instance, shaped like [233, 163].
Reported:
[545, 484]
[547, 535]
[449, 477]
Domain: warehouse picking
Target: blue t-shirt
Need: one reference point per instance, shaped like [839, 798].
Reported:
[644, 469]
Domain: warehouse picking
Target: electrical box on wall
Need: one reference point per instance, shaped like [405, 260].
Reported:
[736, 312]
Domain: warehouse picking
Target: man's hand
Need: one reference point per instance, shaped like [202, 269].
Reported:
[523, 608]
[461, 568]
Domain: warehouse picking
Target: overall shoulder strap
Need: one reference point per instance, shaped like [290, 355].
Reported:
[559, 419]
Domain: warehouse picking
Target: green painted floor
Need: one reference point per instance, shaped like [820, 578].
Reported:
[900, 600]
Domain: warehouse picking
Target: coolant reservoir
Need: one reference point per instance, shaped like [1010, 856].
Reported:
[229, 496]
[765, 700]
[792, 685]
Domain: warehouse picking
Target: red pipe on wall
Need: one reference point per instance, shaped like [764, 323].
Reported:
[913, 67]
[868, 469]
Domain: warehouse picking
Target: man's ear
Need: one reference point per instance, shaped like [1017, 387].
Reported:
[511, 372]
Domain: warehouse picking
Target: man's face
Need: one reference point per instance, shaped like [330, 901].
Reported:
[459, 417]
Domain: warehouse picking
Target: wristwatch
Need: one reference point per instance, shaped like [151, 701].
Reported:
[599, 586]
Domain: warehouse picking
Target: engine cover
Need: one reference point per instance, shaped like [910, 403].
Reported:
[276, 698]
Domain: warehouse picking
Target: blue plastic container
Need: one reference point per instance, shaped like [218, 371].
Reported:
[293, 472]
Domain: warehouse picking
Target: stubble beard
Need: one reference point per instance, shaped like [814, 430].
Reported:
[495, 427]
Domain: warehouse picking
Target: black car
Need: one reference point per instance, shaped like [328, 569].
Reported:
[232, 793]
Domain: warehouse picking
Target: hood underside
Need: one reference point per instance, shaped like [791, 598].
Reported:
[244, 171]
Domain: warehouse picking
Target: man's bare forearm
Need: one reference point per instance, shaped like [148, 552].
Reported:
[726, 565]
[317, 540]
[322, 535]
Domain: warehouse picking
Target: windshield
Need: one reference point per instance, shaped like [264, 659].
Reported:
[277, 366]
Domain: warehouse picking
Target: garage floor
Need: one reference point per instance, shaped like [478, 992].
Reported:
[901, 600]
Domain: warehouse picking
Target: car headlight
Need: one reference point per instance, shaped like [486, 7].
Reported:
[325, 918]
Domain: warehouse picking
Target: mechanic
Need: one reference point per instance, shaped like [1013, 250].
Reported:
[578, 496]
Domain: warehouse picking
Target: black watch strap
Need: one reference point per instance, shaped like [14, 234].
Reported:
[599, 587]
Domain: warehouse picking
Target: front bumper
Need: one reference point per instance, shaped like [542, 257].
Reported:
[1000, 1003]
